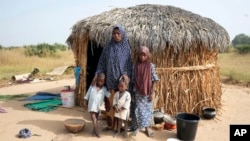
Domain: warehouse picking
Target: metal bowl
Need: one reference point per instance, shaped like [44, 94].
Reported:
[169, 119]
[208, 113]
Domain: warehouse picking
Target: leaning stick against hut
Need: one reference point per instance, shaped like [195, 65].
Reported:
[155, 100]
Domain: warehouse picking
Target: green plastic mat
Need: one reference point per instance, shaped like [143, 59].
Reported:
[44, 106]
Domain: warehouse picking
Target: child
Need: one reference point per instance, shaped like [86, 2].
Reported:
[95, 98]
[144, 79]
[121, 105]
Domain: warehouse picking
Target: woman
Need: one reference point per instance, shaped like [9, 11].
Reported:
[116, 62]
[144, 79]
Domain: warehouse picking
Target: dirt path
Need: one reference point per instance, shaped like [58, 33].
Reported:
[235, 110]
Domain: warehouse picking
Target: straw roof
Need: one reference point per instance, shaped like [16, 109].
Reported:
[156, 26]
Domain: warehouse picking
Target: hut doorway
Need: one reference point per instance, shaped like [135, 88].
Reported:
[93, 55]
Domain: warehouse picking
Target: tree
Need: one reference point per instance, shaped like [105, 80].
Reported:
[241, 39]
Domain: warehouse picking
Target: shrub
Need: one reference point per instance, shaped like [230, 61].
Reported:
[41, 50]
[243, 49]
[60, 47]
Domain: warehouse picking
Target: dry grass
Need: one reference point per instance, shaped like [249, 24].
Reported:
[14, 62]
[235, 67]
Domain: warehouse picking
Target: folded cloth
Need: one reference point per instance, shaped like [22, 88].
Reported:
[2, 110]
[43, 96]
[24, 133]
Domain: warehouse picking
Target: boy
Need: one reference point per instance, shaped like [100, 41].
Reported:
[121, 105]
[95, 98]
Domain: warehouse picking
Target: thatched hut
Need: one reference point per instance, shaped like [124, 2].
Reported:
[184, 48]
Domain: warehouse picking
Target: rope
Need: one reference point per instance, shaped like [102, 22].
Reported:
[190, 68]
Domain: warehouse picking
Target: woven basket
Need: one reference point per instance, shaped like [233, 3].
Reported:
[74, 125]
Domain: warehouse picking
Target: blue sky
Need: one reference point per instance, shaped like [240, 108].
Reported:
[26, 22]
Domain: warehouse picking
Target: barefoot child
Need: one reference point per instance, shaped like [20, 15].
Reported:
[95, 98]
[121, 105]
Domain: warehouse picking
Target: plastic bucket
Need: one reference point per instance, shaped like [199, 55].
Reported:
[187, 125]
[68, 98]
[172, 139]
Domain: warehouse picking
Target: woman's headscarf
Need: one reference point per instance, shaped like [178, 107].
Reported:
[143, 80]
[116, 60]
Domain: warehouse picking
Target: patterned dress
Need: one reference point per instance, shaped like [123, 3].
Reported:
[143, 107]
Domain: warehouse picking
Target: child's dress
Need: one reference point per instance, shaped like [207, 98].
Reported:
[96, 98]
[124, 102]
[143, 107]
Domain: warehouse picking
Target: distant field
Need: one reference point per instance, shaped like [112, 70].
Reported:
[235, 66]
[14, 62]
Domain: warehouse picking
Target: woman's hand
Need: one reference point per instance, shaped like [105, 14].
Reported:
[125, 77]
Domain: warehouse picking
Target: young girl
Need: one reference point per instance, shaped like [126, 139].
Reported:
[95, 98]
[121, 105]
[144, 79]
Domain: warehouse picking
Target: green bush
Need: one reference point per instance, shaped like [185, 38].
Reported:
[243, 49]
[43, 50]
[60, 47]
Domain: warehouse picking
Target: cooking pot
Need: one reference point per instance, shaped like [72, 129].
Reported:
[208, 113]
[158, 117]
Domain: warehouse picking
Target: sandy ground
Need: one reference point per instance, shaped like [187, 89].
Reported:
[49, 125]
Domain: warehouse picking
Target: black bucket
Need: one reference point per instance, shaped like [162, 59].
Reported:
[187, 126]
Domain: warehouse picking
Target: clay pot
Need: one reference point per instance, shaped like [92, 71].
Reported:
[208, 113]
[74, 125]
[169, 126]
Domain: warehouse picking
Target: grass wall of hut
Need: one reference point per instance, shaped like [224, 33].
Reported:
[189, 79]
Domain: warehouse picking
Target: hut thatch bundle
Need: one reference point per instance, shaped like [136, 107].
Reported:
[184, 48]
